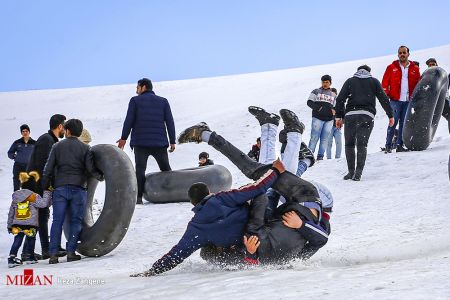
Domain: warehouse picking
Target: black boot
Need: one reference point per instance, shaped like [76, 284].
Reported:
[53, 260]
[350, 156]
[357, 176]
[349, 176]
[306, 153]
[139, 200]
[61, 252]
[193, 133]
[263, 116]
[72, 256]
[291, 121]
[400, 148]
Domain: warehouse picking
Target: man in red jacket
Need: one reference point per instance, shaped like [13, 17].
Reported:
[399, 81]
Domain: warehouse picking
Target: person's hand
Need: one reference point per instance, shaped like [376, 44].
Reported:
[147, 273]
[172, 148]
[292, 220]
[121, 143]
[9, 229]
[391, 122]
[279, 166]
[339, 123]
[251, 244]
[333, 111]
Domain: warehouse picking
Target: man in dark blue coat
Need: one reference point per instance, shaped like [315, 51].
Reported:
[219, 219]
[149, 119]
[20, 151]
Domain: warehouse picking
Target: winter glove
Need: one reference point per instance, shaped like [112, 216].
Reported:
[9, 229]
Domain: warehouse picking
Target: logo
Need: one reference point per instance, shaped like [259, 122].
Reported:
[29, 279]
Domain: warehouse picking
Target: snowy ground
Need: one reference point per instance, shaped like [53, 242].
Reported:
[389, 236]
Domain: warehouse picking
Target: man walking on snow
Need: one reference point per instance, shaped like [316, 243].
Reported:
[399, 81]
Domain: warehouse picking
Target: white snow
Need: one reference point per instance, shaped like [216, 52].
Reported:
[390, 232]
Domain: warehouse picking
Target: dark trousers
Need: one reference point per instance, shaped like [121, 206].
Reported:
[17, 168]
[290, 186]
[141, 155]
[44, 215]
[28, 247]
[357, 133]
[399, 108]
[73, 198]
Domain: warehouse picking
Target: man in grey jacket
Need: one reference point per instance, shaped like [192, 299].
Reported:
[67, 170]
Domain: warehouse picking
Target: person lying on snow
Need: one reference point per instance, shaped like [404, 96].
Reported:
[293, 188]
[219, 219]
[279, 243]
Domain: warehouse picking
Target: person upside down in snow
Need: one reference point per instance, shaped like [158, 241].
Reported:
[220, 219]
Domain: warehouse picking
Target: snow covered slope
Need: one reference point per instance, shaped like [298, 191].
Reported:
[389, 238]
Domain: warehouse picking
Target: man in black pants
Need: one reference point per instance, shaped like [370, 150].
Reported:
[147, 118]
[360, 91]
[37, 162]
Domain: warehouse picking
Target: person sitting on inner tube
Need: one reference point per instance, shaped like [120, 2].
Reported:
[219, 219]
[303, 204]
[203, 160]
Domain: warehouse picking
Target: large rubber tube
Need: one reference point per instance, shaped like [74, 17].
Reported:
[425, 109]
[173, 186]
[101, 237]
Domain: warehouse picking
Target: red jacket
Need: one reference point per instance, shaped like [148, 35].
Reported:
[392, 79]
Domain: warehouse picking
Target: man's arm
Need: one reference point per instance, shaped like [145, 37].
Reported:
[316, 236]
[383, 99]
[341, 99]
[385, 83]
[40, 154]
[239, 196]
[129, 120]
[170, 124]
[90, 166]
[312, 101]
[12, 151]
[47, 175]
[190, 242]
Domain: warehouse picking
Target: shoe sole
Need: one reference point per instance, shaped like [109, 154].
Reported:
[13, 265]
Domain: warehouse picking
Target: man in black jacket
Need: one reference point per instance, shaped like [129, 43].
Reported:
[36, 163]
[360, 92]
[20, 151]
[68, 167]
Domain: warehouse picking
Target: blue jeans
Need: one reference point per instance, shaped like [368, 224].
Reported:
[320, 130]
[399, 108]
[28, 247]
[74, 198]
[336, 133]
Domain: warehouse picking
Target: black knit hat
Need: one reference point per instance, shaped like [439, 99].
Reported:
[431, 60]
[325, 78]
[24, 127]
[203, 155]
[364, 67]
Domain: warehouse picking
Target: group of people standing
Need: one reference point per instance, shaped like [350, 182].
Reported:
[49, 172]
[355, 107]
